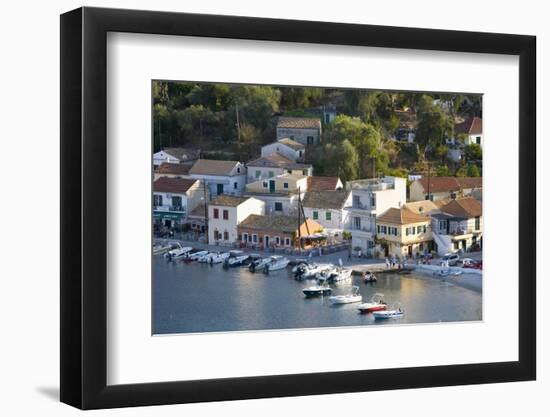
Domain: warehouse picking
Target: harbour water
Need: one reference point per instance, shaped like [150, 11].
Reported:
[196, 298]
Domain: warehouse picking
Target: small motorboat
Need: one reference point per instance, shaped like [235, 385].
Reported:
[277, 263]
[258, 264]
[218, 258]
[236, 258]
[205, 258]
[196, 256]
[369, 277]
[160, 248]
[376, 303]
[352, 297]
[340, 274]
[310, 271]
[178, 252]
[395, 313]
[317, 290]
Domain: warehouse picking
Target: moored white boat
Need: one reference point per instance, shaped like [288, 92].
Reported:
[197, 255]
[160, 248]
[219, 257]
[277, 263]
[395, 313]
[316, 290]
[353, 297]
[376, 303]
[306, 271]
[236, 258]
[180, 252]
[258, 264]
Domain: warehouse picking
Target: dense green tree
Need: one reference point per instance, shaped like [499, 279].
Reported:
[293, 98]
[473, 170]
[434, 126]
[473, 152]
[442, 170]
[337, 159]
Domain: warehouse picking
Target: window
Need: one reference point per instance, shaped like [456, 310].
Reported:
[258, 173]
[255, 238]
[219, 188]
[285, 185]
[442, 225]
[271, 174]
[328, 215]
[225, 235]
[305, 172]
[177, 202]
[356, 201]
[216, 213]
[250, 238]
[478, 140]
[310, 140]
[265, 184]
[157, 200]
[238, 170]
[235, 185]
[225, 214]
[287, 241]
[300, 153]
[245, 237]
[477, 223]
[278, 206]
[327, 118]
[216, 235]
[357, 223]
[373, 200]
[315, 215]
[292, 137]
[277, 240]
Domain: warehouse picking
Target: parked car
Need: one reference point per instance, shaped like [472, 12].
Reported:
[469, 263]
[451, 258]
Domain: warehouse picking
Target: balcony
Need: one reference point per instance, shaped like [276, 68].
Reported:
[179, 209]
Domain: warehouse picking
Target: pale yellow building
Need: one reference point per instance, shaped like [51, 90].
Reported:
[401, 232]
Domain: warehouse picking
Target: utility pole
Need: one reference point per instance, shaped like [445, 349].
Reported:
[373, 167]
[299, 219]
[205, 213]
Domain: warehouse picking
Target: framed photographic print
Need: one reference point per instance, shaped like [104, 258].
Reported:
[257, 208]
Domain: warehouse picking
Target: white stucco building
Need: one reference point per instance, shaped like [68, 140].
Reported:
[370, 198]
[307, 131]
[221, 177]
[274, 165]
[328, 208]
[225, 212]
[174, 155]
[287, 147]
[174, 198]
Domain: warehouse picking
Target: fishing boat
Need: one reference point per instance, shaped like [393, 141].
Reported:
[176, 253]
[277, 263]
[395, 313]
[369, 277]
[352, 297]
[376, 303]
[258, 264]
[317, 290]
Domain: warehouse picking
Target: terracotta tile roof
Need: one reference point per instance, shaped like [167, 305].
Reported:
[297, 146]
[470, 182]
[299, 123]
[285, 224]
[316, 183]
[466, 207]
[213, 167]
[276, 160]
[326, 199]
[173, 169]
[173, 185]
[473, 126]
[422, 207]
[183, 154]
[447, 184]
[228, 200]
[401, 216]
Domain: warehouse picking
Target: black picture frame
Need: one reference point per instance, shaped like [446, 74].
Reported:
[84, 207]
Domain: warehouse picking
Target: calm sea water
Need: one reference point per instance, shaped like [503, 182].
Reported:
[191, 298]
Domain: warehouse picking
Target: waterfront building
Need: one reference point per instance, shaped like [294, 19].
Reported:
[445, 187]
[173, 198]
[305, 130]
[458, 225]
[221, 177]
[328, 208]
[286, 147]
[371, 197]
[472, 128]
[175, 155]
[279, 231]
[274, 165]
[401, 232]
[280, 194]
[225, 212]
